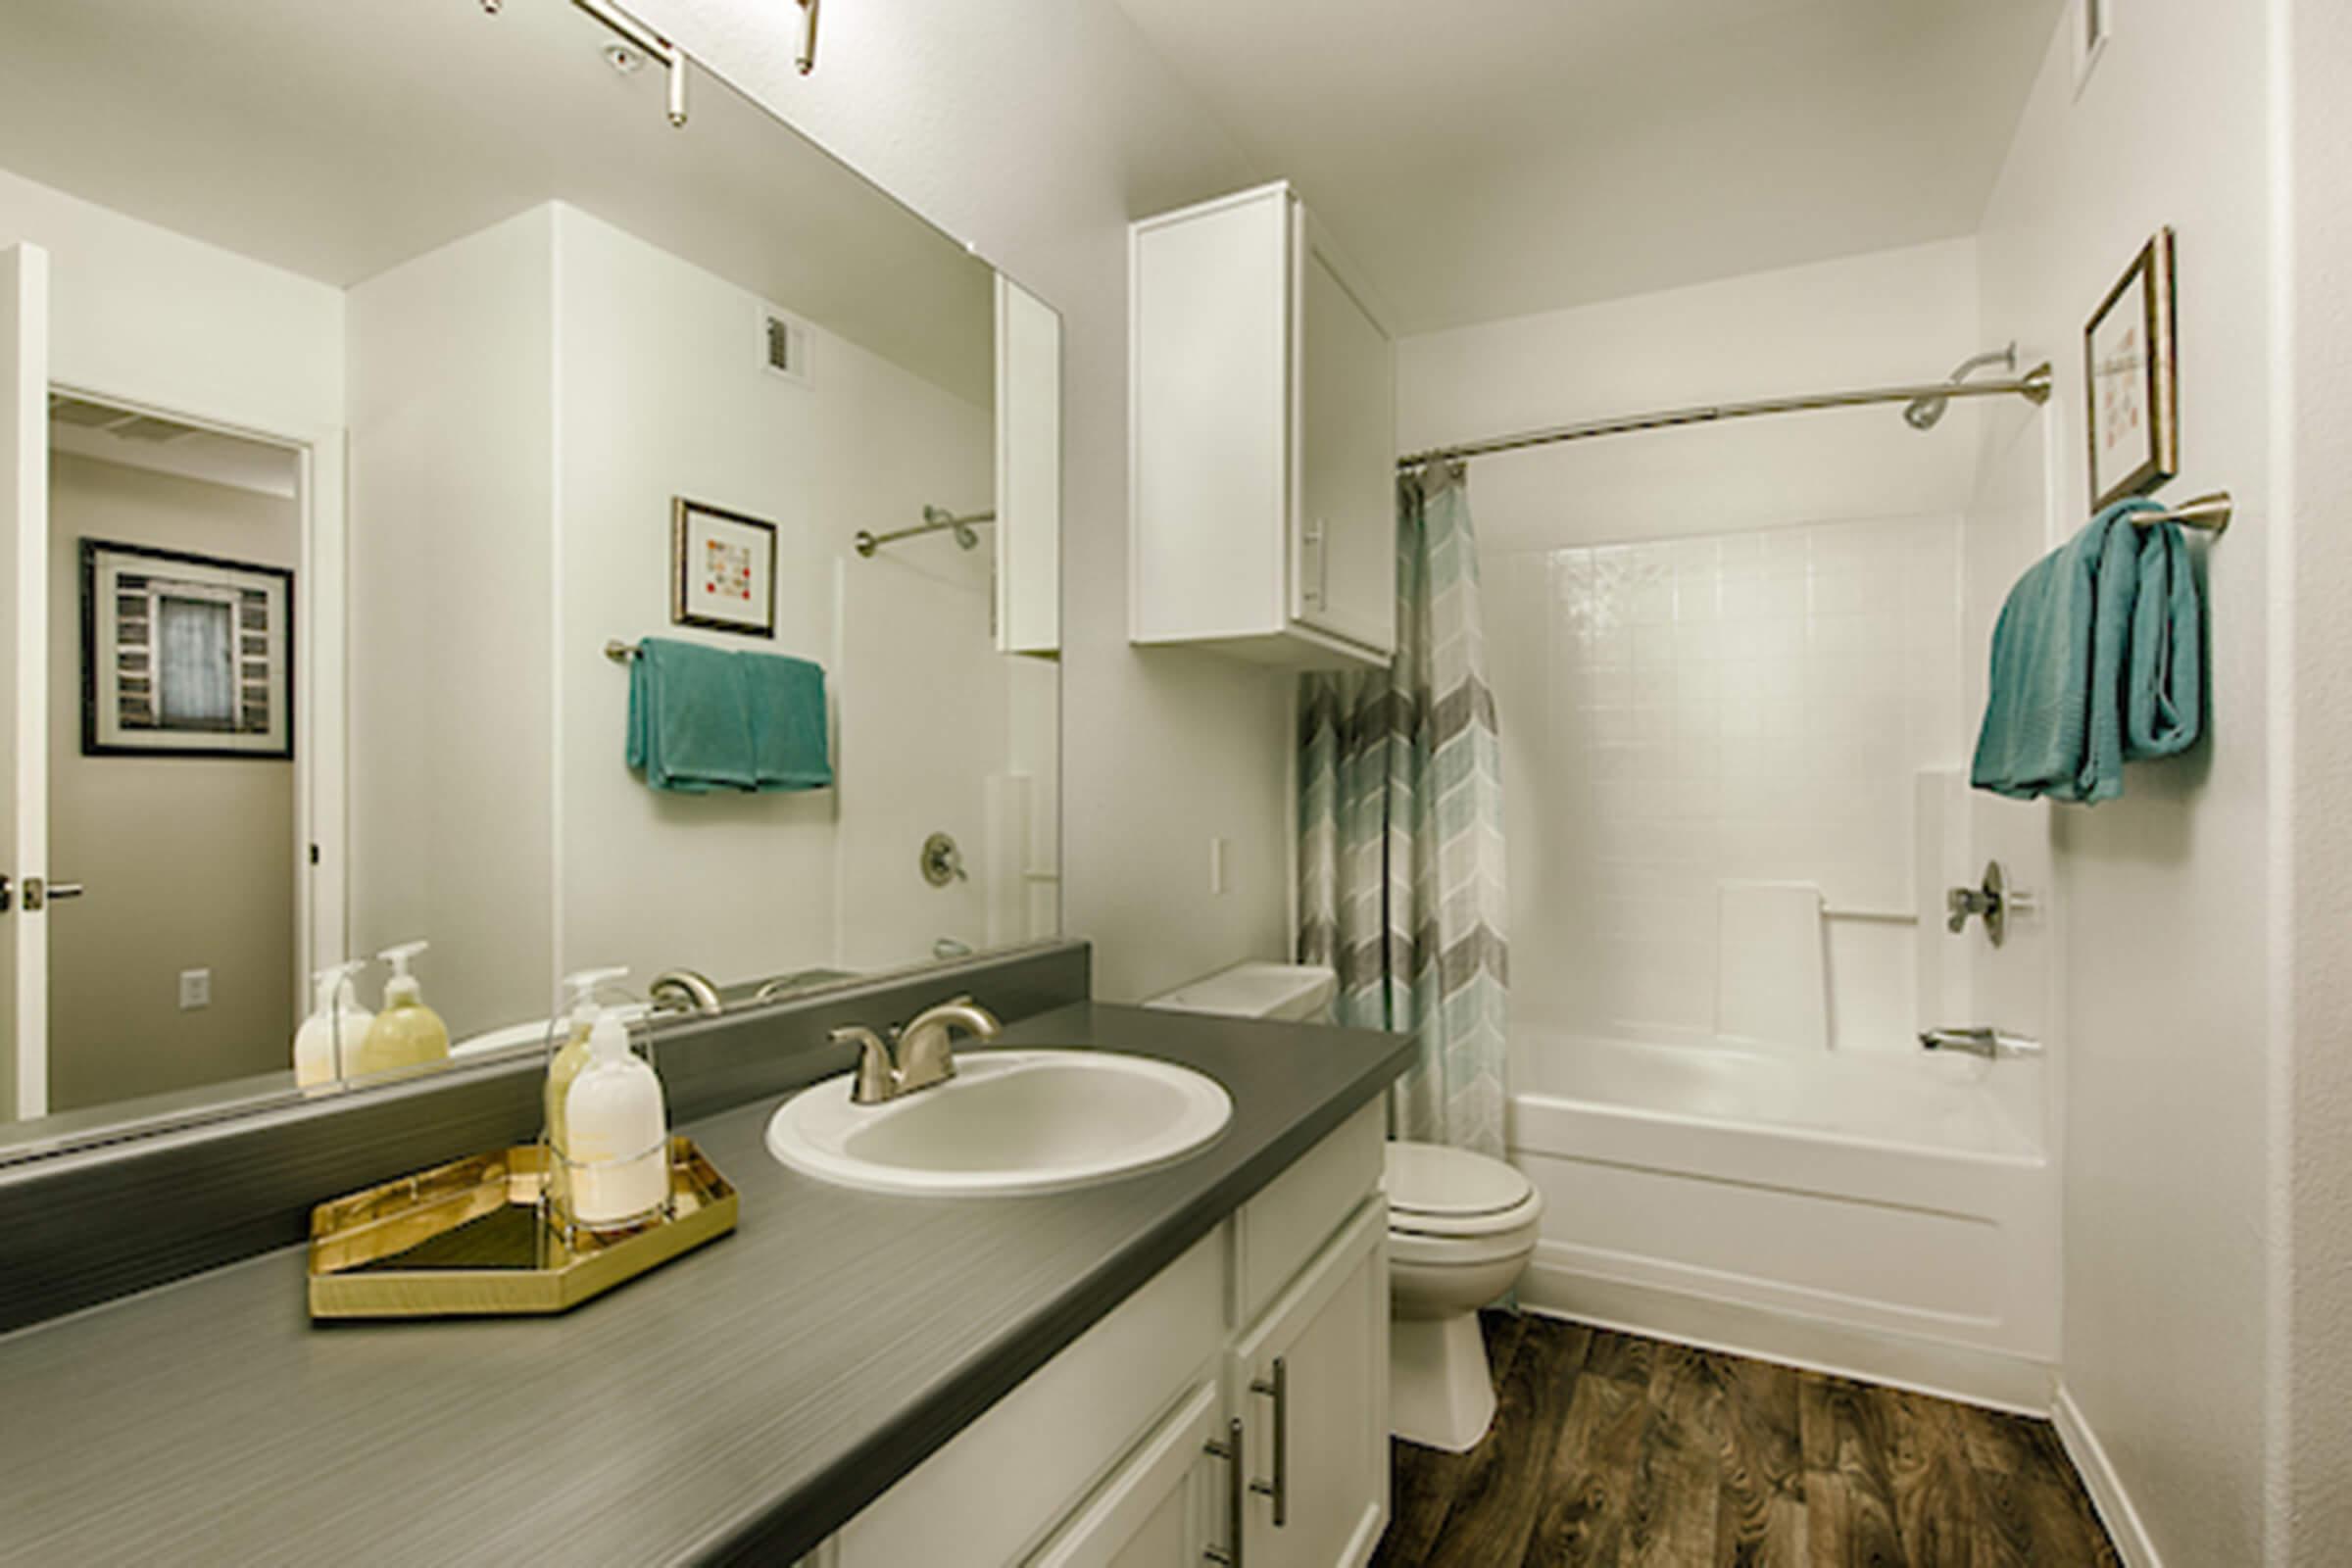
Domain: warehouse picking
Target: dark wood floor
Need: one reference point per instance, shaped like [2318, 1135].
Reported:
[1609, 1449]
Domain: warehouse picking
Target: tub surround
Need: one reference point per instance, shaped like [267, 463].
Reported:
[746, 1400]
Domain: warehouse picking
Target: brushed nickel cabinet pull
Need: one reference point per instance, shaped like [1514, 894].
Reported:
[1278, 1388]
[1230, 1451]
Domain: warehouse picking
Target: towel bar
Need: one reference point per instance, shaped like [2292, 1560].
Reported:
[2209, 513]
[618, 651]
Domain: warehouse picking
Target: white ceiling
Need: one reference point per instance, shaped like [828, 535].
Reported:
[1493, 158]
[336, 139]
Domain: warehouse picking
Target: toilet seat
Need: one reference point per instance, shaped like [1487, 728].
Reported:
[1439, 1193]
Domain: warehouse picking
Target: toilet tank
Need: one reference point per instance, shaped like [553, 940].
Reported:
[1300, 993]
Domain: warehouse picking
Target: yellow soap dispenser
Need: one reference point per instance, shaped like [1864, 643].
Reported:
[581, 1011]
[406, 1033]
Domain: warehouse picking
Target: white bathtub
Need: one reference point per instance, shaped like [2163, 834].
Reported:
[1892, 1215]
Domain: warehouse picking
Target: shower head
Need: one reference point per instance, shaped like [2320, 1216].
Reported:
[1923, 414]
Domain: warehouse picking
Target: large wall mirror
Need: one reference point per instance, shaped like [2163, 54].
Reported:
[468, 507]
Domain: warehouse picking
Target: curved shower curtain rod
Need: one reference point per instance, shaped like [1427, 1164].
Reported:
[2034, 386]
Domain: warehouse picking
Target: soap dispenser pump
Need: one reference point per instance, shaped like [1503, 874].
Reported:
[333, 1032]
[616, 1158]
[406, 1033]
[582, 1012]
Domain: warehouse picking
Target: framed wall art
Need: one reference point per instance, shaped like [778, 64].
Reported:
[2133, 380]
[184, 655]
[722, 569]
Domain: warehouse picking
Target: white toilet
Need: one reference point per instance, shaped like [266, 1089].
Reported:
[1461, 1227]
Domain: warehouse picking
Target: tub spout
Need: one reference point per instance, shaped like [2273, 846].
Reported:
[1979, 1041]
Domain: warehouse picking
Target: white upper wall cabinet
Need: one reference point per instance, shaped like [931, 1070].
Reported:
[1261, 439]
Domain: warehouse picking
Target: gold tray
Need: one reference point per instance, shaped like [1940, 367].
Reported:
[471, 1239]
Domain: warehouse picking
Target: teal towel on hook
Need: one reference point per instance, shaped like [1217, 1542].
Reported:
[2097, 658]
[707, 720]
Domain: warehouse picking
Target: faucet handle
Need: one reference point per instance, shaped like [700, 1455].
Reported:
[877, 1070]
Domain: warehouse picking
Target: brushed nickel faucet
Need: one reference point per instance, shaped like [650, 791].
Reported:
[925, 1053]
[685, 990]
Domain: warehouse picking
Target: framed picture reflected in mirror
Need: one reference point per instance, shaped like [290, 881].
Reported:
[2130, 370]
[722, 569]
[184, 654]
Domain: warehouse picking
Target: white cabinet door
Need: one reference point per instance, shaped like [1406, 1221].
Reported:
[1345, 581]
[1312, 1379]
[1163, 1508]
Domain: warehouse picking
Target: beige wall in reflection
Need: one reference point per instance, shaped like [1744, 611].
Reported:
[189, 861]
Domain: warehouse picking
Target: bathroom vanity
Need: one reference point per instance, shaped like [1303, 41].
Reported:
[1108, 1375]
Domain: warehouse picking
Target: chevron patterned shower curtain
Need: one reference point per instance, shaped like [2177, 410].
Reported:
[1400, 874]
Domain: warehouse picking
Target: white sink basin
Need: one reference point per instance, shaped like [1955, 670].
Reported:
[1010, 1121]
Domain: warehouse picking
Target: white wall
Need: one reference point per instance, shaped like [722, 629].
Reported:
[1036, 129]
[142, 313]
[1723, 652]
[526, 403]
[2164, 895]
[2310, 1374]
[662, 395]
[659, 393]
[1889, 317]
[453, 452]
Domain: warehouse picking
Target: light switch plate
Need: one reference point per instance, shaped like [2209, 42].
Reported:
[195, 989]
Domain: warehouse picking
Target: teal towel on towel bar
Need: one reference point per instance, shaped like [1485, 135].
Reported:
[2096, 658]
[703, 720]
[787, 699]
[690, 726]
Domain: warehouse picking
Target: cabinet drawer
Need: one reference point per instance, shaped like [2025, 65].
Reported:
[1277, 1232]
[997, 1487]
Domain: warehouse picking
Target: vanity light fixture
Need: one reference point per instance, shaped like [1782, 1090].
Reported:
[636, 35]
[639, 44]
[807, 56]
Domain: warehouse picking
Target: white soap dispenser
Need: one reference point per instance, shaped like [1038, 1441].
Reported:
[581, 1013]
[331, 1034]
[616, 1133]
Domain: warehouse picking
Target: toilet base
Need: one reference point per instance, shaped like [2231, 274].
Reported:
[1441, 1393]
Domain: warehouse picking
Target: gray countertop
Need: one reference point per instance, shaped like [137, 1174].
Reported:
[744, 1401]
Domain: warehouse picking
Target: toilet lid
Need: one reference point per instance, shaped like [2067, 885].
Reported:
[1442, 1183]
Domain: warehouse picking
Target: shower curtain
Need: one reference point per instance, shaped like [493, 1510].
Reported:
[1400, 832]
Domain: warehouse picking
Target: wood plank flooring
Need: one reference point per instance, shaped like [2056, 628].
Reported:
[1612, 1449]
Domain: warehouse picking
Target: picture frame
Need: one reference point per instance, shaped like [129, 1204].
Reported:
[2131, 379]
[722, 569]
[185, 655]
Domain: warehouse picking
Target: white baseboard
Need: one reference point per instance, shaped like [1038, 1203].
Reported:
[1973, 1375]
[2106, 1488]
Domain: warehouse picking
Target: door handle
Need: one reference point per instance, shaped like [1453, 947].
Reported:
[38, 894]
[1278, 1388]
[1236, 1493]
